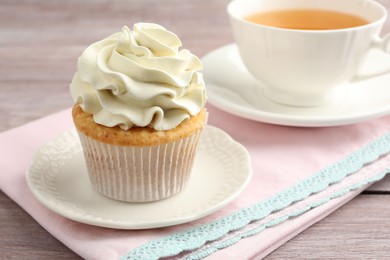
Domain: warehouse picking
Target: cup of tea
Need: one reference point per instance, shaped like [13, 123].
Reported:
[305, 52]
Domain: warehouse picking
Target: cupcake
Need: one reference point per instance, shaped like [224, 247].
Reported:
[139, 111]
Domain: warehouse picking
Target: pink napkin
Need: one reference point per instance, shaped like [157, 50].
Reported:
[284, 161]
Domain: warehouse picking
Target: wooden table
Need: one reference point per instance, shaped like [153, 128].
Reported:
[40, 42]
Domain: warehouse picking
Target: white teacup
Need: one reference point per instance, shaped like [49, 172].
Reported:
[306, 67]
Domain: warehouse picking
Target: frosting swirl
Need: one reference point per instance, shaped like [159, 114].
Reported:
[139, 78]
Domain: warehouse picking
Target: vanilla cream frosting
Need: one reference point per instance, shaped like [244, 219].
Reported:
[139, 78]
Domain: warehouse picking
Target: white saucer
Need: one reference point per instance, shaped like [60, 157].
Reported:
[231, 88]
[58, 179]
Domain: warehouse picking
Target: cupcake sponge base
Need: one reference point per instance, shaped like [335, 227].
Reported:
[126, 170]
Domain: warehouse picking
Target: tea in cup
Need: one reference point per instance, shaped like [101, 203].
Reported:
[304, 52]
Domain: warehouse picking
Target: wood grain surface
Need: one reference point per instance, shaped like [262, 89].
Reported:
[40, 42]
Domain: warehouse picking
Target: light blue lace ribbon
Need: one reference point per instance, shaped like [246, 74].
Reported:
[195, 238]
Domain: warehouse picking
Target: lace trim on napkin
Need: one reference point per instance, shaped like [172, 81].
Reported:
[332, 182]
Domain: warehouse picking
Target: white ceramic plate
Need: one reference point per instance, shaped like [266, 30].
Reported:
[58, 179]
[231, 88]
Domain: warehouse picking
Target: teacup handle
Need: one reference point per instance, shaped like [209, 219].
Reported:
[381, 44]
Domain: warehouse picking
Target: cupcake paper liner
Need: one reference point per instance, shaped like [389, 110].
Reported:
[139, 174]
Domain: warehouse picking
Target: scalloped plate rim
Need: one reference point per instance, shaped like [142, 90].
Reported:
[62, 209]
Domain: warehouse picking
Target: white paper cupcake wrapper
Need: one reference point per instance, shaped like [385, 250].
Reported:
[139, 174]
